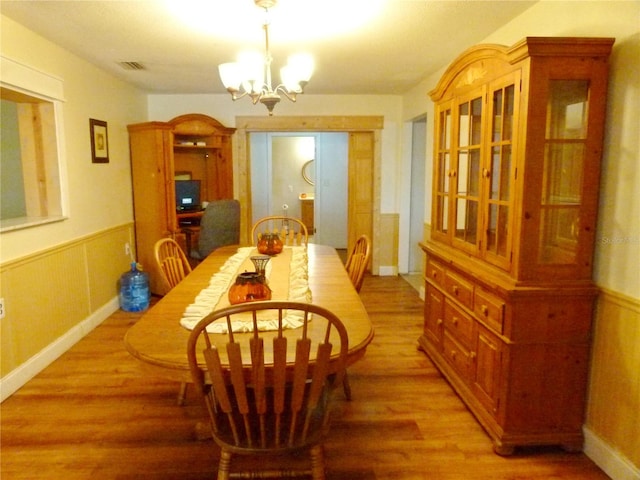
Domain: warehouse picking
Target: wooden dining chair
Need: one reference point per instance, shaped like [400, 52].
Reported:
[172, 262]
[356, 265]
[290, 229]
[358, 261]
[173, 266]
[269, 392]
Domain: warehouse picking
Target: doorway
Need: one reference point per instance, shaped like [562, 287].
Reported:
[305, 176]
[364, 153]
[417, 202]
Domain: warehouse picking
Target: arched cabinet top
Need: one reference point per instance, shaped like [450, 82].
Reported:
[471, 67]
[199, 124]
[481, 63]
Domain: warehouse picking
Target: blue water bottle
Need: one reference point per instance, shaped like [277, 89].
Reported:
[134, 290]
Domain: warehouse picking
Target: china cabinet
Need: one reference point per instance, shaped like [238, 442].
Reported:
[509, 295]
[194, 147]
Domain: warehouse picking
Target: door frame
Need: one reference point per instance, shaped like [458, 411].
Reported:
[245, 125]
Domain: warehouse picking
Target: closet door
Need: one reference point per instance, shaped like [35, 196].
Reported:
[361, 155]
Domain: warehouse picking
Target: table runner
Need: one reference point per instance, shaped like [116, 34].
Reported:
[287, 274]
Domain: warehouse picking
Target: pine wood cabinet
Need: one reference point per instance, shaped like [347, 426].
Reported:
[194, 146]
[509, 294]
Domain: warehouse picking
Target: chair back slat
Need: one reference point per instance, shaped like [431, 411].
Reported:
[216, 396]
[174, 270]
[278, 399]
[258, 376]
[320, 373]
[237, 377]
[303, 350]
[279, 385]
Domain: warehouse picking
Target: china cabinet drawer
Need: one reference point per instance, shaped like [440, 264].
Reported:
[490, 309]
[459, 324]
[459, 288]
[457, 355]
[435, 272]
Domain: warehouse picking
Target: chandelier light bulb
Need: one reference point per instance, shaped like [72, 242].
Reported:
[231, 76]
[303, 65]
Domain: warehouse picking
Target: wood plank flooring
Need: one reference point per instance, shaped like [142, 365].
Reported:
[94, 415]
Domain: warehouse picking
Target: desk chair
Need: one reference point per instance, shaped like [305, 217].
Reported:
[173, 266]
[290, 229]
[268, 393]
[357, 263]
[219, 226]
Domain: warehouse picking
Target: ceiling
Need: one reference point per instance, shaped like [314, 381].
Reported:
[383, 47]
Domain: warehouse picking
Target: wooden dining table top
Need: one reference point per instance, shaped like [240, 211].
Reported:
[160, 341]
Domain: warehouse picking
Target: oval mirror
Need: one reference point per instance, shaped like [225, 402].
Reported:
[309, 172]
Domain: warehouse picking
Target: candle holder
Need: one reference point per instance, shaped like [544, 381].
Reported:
[260, 264]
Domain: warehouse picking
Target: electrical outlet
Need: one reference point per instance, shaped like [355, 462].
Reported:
[127, 249]
[2, 312]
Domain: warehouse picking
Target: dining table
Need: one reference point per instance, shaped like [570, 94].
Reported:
[159, 338]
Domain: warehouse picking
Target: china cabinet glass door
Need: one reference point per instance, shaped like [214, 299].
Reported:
[443, 173]
[564, 155]
[458, 172]
[467, 172]
[498, 172]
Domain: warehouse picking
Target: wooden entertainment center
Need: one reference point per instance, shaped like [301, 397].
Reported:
[192, 146]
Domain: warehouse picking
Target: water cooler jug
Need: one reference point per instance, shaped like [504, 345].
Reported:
[134, 290]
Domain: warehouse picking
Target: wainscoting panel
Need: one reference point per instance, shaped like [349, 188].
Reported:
[51, 292]
[106, 261]
[614, 391]
[388, 244]
[45, 296]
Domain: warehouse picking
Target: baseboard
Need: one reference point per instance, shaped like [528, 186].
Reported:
[388, 271]
[18, 377]
[608, 459]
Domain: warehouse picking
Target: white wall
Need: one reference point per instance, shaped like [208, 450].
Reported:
[99, 194]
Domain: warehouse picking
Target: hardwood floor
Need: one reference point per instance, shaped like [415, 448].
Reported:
[94, 415]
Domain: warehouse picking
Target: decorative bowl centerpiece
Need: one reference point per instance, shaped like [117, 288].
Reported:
[270, 243]
[249, 287]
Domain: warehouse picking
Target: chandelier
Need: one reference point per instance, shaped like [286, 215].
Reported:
[251, 74]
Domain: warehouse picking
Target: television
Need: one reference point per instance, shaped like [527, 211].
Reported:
[188, 195]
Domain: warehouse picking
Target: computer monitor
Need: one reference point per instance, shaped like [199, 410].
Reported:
[188, 195]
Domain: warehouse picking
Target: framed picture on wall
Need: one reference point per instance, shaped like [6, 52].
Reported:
[99, 141]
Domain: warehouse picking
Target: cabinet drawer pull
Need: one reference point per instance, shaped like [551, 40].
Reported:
[453, 354]
[455, 321]
[472, 355]
[439, 322]
[455, 289]
[484, 309]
